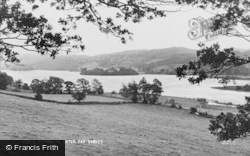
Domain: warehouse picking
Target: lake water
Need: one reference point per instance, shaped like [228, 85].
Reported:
[171, 84]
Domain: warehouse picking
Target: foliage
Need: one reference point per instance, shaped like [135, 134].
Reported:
[25, 86]
[69, 86]
[238, 87]
[193, 110]
[173, 105]
[5, 80]
[133, 91]
[246, 87]
[39, 36]
[22, 29]
[124, 91]
[211, 62]
[18, 83]
[205, 114]
[15, 90]
[54, 85]
[97, 86]
[109, 71]
[38, 97]
[231, 126]
[180, 107]
[37, 86]
[143, 92]
[79, 96]
[82, 85]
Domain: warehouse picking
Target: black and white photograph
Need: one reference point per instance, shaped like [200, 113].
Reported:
[124, 77]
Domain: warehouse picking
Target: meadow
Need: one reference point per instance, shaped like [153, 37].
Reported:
[126, 129]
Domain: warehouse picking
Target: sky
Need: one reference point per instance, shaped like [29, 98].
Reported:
[170, 31]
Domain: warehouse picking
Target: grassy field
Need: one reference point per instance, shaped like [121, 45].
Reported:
[65, 97]
[127, 129]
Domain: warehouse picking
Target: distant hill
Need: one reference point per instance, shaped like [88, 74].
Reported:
[146, 61]
[143, 60]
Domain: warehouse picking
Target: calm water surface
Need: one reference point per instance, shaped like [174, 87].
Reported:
[171, 84]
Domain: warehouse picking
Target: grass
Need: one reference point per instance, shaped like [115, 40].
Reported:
[107, 98]
[65, 98]
[186, 103]
[125, 129]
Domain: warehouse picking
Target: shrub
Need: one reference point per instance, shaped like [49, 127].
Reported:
[238, 87]
[113, 92]
[15, 90]
[205, 114]
[179, 107]
[38, 97]
[246, 87]
[79, 96]
[69, 102]
[173, 105]
[153, 99]
[193, 110]
[158, 103]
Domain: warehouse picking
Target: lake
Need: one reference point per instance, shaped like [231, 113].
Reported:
[171, 84]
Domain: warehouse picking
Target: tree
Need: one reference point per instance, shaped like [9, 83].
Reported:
[82, 85]
[37, 35]
[133, 91]
[124, 91]
[79, 96]
[25, 86]
[37, 86]
[156, 88]
[143, 92]
[18, 83]
[20, 29]
[230, 126]
[211, 62]
[5, 80]
[144, 89]
[55, 85]
[69, 86]
[97, 86]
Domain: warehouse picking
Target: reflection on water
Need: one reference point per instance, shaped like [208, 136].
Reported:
[171, 84]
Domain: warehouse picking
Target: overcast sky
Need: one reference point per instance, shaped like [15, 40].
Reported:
[158, 33]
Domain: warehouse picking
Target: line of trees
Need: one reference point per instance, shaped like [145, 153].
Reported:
[109, 71]
[56, 85]
[143, 91]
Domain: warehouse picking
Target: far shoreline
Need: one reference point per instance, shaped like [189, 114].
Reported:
[231, 88]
